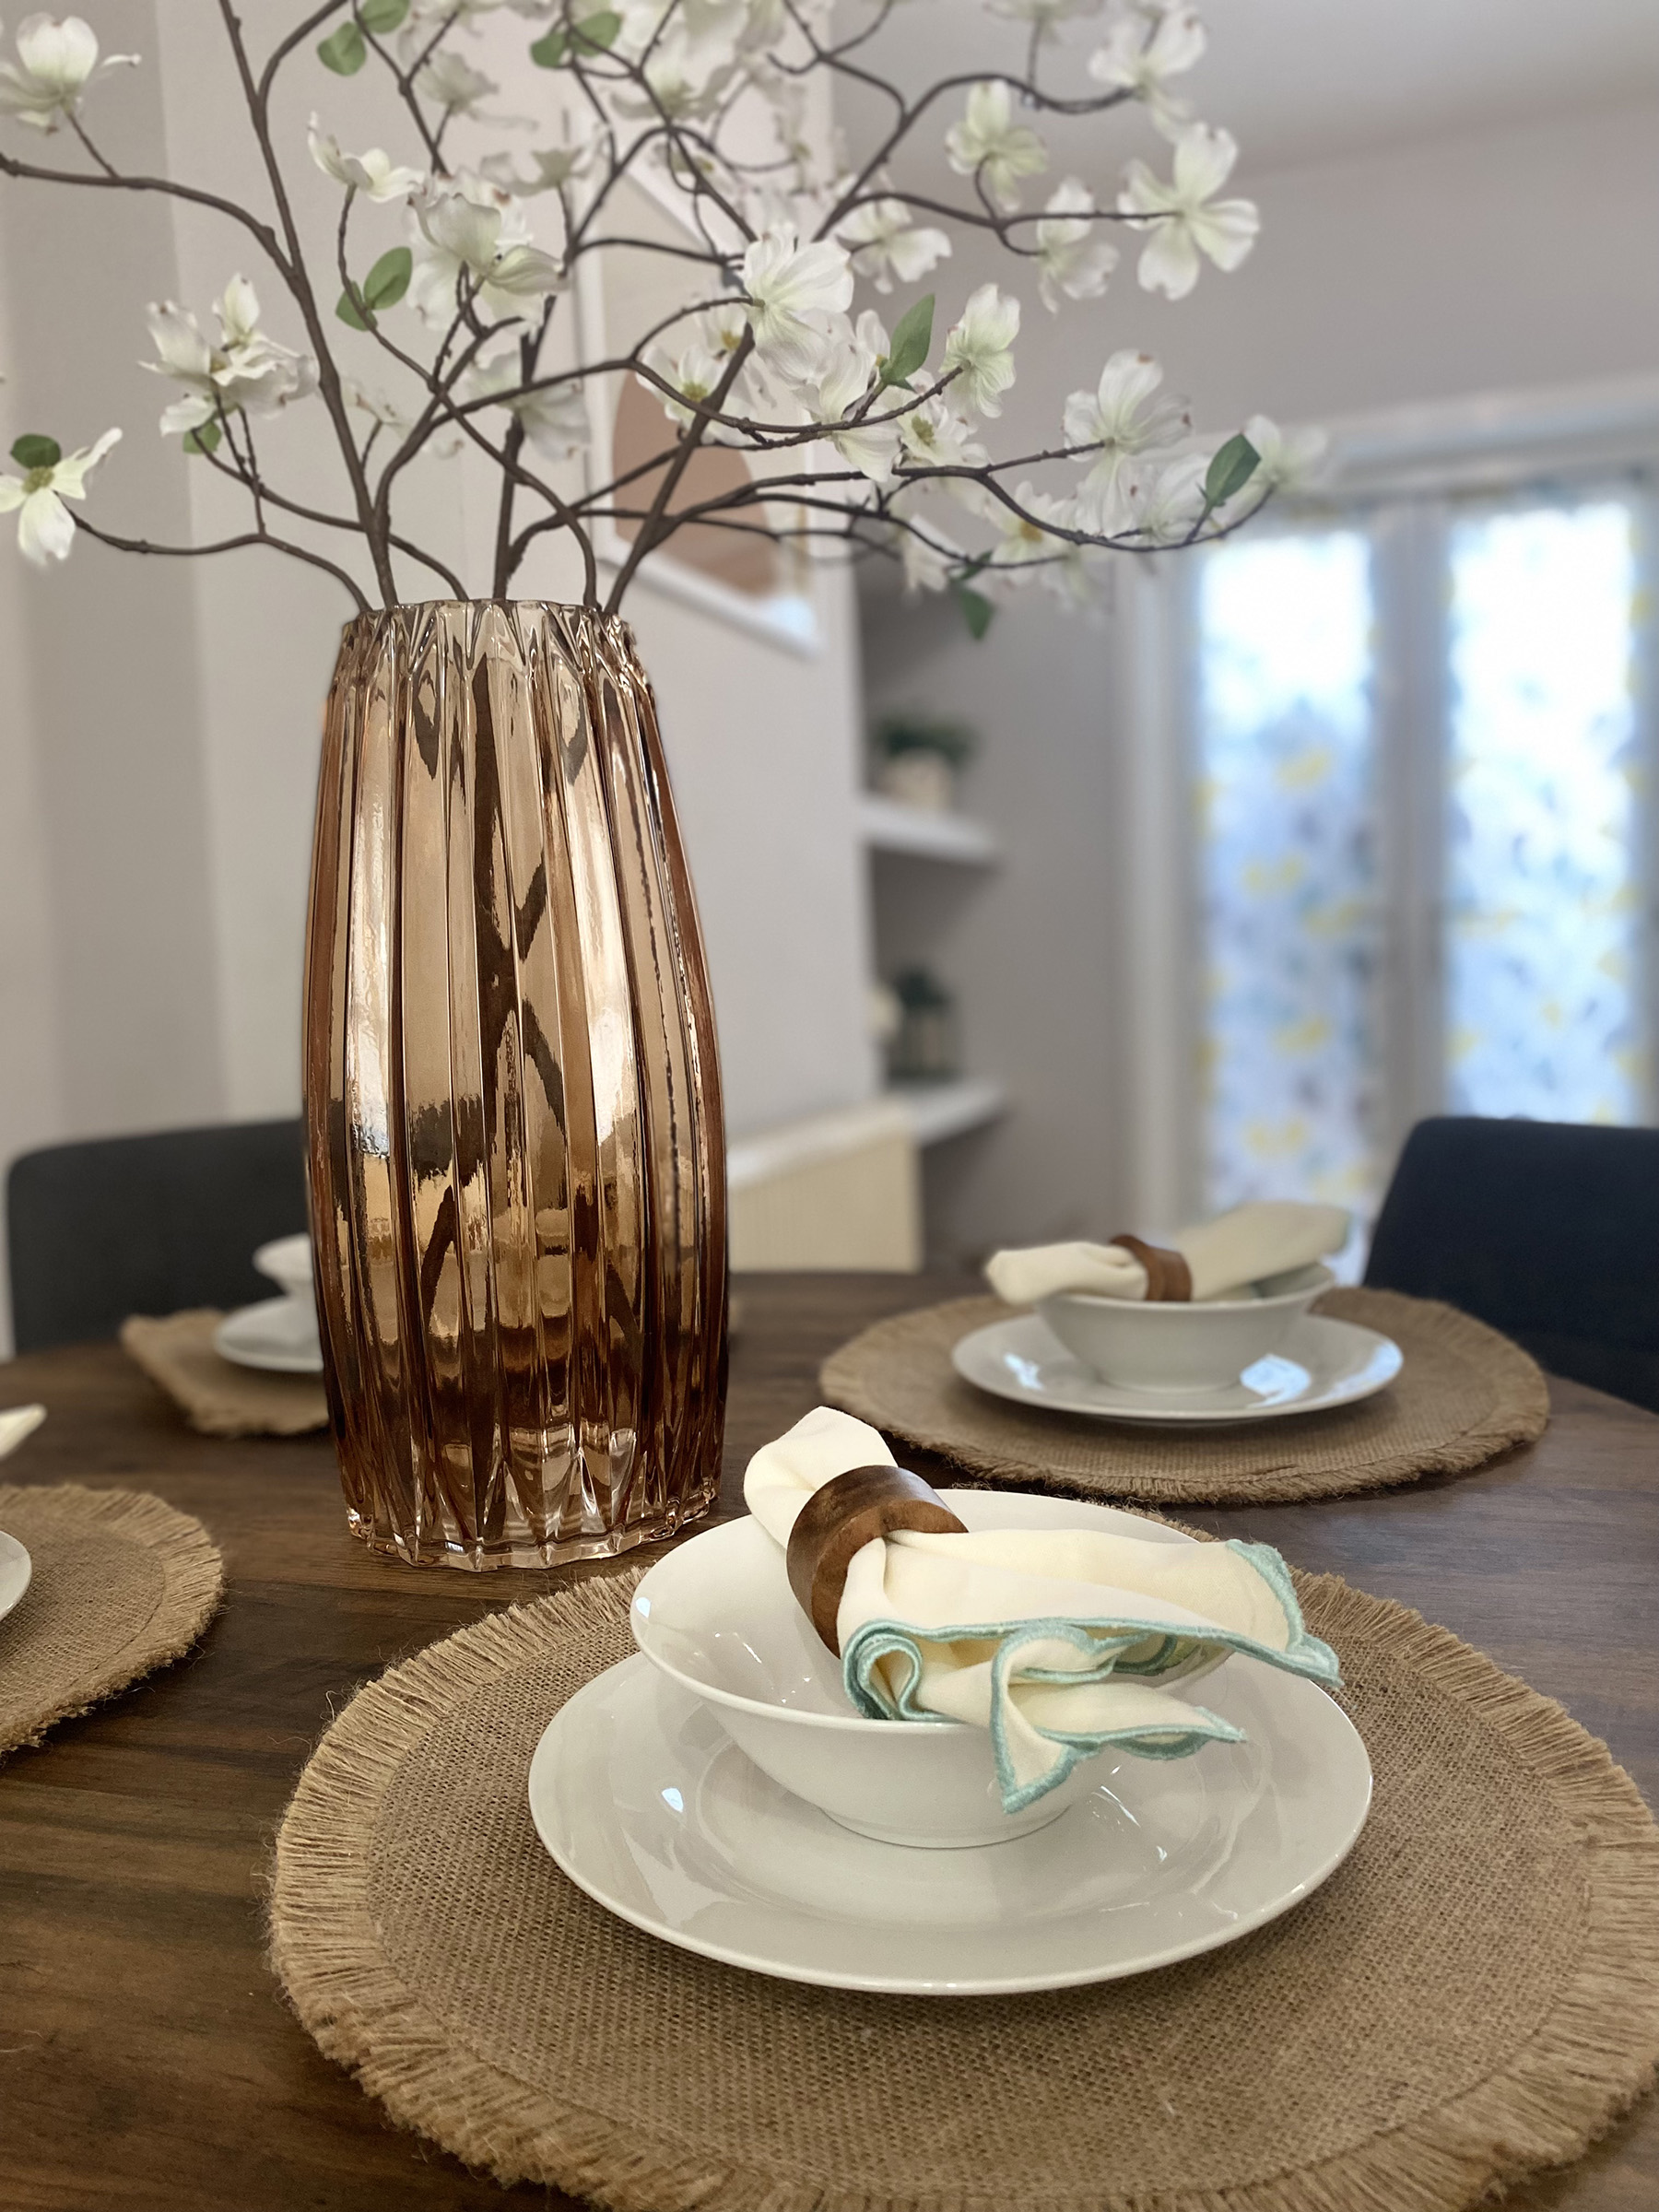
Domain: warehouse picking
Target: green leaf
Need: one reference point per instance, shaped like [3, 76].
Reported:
[384, 285]
[344, 51]
[31, 452]
[382, 16]
[597, 31]
[1231, 470]
[977, 610]
[592, 34]
[911, 343]
[204, 438]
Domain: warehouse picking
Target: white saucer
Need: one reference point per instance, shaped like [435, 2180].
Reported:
[279, 1334]
[16, 1566]
[646, 1803]
[1324, 1363]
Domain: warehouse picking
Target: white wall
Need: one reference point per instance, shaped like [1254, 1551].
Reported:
[159, 721]
[108, 1000]
[1492, 262]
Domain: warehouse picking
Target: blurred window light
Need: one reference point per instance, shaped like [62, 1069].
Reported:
[1288, 867]
[1543, 988]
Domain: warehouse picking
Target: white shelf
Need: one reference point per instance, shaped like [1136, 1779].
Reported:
[889, 825]
[937, 1111]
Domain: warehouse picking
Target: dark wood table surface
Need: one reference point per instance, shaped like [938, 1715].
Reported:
[147, 2056]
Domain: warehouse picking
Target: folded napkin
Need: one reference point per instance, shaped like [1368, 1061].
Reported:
[17, 1422]
[1268, 1237]
[1059, 1642]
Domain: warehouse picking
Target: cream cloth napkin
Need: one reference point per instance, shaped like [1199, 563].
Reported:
[1268, 1237]
[1058, 1641]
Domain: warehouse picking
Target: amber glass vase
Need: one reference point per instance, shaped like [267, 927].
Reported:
[515, 1150]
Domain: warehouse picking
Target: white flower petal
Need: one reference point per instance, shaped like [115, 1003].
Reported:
[1168, 264]
[45, 531]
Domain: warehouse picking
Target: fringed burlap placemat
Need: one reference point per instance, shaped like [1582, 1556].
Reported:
[1475, 1993]
[1465, 1394]
[216, 1396]
[121, 1584]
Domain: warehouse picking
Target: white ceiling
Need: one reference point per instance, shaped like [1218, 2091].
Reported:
[1299, 80]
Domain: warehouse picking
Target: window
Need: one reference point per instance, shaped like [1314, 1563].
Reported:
[1543, 1012]
[1287, 851]
[1419, 774]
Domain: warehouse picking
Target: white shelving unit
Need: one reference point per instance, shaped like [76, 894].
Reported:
[937, 1111]
[910, 908]
[889, 826]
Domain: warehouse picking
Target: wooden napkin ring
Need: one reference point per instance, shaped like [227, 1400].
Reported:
[1169, 1279]
[842, 1517]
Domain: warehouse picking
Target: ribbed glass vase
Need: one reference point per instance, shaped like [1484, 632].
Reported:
[516, 1155]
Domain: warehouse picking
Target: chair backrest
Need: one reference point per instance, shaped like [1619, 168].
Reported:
[1547, 1230]
[147, 1225]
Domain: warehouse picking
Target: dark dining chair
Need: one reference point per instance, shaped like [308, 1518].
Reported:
[1547, 1230]
[147, 1225]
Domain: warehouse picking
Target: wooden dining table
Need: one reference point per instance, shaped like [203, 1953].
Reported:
[148, 2058]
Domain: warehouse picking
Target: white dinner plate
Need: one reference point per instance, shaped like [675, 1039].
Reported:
[279, 1334]
[16, 1566]
[1324, 1363]
[645, 1803]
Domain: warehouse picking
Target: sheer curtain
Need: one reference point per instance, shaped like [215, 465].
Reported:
[1420, 757]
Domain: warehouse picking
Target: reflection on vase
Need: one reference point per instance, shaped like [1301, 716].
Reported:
[516, 1155]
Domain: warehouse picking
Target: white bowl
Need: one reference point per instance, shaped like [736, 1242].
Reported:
[287, 1262]
[717, 1616]
[1203, 1345]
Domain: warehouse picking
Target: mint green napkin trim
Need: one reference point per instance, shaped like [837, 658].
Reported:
[1178, 1651]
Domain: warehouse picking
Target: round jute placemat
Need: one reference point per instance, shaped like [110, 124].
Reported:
[1463, 1395]
[121, 1584]
[1473, 1995]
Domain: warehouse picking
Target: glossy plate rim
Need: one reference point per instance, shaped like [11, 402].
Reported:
[541, 1787]
[1375, 1362]
[226, 1342]
[17, 1572]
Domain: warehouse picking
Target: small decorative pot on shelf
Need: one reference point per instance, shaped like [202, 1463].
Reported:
[917, 760]
[925, 1047]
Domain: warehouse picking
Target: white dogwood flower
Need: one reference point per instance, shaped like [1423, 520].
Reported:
[552, 167]
[935, 436]
[554, 417]
[380, 408]
[1184, 217]
[45, 528]
[929, 557]
[370, 173]
[848, 372]
[1022, 538]
[1074, 256]
[56, 60]
[245, 372]
[887, 245]
[979, 350]
[694, 372]
[791, 290]
[1138, 57]
[1284, 458]
[989, 145]
[452, 83]
[1163, 503]
[471, 230]
[686, 77]
[1121, 419]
